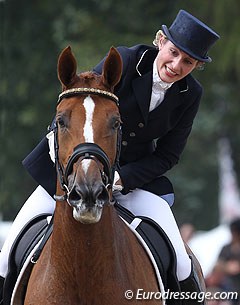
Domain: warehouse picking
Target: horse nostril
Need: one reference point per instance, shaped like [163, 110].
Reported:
[74, 197]
[90, 195]
[102, 194]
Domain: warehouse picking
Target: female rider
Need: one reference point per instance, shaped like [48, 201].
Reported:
[158, 101]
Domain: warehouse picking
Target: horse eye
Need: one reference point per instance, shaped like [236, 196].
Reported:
[61, 122]
[116, 124]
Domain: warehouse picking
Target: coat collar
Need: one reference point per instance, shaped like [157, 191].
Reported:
[145, 63]
[142, 85]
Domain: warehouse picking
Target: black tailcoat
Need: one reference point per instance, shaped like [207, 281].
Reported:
[152, 142]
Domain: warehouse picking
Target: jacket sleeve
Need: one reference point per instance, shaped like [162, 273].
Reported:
[40, 166]
[165, 156]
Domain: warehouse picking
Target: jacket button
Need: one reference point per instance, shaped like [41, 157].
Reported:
[140, 125]
[124, 143]
[132, 134]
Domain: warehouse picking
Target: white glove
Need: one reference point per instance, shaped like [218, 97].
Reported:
[116, 187]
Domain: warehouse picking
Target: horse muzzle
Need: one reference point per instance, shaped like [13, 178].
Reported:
[86, 215]
[87, 195]
[88, 201]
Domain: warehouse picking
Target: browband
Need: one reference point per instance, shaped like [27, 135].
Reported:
[79, 91]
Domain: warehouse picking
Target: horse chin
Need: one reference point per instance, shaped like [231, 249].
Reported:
[87, 215]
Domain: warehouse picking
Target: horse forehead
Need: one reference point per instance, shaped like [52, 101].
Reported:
[89, 79]
[78, 106]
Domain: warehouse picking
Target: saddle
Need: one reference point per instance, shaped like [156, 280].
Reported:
[36, 233]
[160, 247]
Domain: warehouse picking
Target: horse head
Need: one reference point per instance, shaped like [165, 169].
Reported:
[87, 134]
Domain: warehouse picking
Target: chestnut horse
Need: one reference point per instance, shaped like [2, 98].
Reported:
[91, 258]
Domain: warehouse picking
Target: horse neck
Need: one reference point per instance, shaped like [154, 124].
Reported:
[71, 238]
[77, 233]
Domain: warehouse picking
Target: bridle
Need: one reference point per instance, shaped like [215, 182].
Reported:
[85, 150]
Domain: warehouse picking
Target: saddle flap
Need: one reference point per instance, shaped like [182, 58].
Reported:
[159, 246]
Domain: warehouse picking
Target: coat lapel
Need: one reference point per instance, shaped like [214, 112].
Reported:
[142, 88]
[172, 99]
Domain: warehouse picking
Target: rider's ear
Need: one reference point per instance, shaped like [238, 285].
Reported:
[67, 67]
[112, 68]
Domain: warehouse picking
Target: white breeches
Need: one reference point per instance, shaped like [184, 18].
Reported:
[38, 203]
[139, 202]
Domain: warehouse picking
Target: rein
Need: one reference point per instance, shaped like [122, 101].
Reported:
[85, 150]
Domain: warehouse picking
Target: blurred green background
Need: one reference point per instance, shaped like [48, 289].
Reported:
[33, 33]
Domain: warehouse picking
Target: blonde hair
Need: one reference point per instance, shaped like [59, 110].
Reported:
[158, 35]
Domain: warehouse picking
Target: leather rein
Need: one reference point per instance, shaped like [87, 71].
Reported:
[85, 150]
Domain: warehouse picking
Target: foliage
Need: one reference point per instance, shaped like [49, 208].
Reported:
[34, 32]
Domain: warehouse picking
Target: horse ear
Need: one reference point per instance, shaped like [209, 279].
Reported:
[112, 68]
[67, 67]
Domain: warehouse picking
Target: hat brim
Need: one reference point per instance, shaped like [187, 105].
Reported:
[169, 36]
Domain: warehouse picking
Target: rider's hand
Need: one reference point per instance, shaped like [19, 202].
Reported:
[117, 183]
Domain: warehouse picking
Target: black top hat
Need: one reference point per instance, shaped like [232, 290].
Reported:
[191, 36]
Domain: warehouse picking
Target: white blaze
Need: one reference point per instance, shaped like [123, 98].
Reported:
[88, 128]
